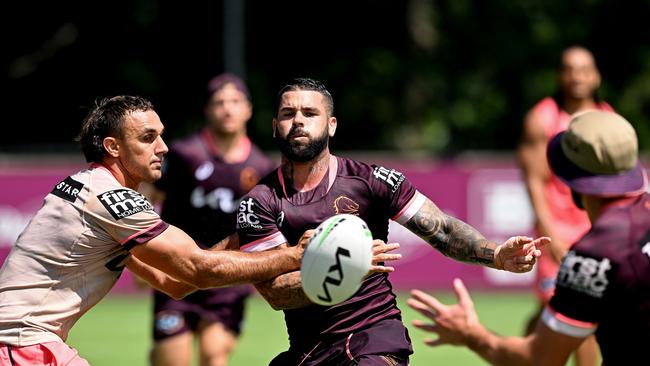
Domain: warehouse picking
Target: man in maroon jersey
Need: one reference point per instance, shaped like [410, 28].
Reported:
[312, 185]
[603, 285]
[204, 176]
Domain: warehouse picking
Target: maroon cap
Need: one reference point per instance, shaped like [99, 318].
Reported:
[218, 82]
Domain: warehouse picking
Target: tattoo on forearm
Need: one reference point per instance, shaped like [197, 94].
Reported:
[452, 237]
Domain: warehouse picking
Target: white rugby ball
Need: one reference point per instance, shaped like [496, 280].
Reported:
[336, 259]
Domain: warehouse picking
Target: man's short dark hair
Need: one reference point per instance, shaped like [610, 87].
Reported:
[307, 84]
[107, 119]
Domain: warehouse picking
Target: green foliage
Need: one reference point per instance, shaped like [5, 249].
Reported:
[438, 77]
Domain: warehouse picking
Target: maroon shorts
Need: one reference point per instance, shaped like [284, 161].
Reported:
[222, 305]
[386, 343]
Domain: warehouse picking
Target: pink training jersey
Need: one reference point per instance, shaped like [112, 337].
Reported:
[273, 213]
[569, 222]
[70, 255]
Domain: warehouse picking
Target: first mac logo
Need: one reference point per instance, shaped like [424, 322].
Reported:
[122, 203]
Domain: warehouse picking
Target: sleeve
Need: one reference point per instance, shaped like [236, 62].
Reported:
[126, 216]
[401, 198]
[256, 224]
[585, 284]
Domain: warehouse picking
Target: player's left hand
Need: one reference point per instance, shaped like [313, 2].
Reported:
[454, 324]
[519, 253]
[380, 255]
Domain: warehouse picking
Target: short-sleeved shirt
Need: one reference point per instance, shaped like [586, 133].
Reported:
[203, 190]
[273, 213]
[202, 196]
[70, 255]
[604, 285]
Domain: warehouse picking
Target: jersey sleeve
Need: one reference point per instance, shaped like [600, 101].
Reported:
[401, 198]
[256, 223]
[585, 284]
[126, 216]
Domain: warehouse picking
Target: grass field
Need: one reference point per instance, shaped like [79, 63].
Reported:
[117, 331]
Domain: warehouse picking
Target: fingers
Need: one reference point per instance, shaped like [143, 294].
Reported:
[308, 233]
[433, 342]
[385, 257]
[427, 301]
[464, 299]
[304, 239]
[429, 327]
[421, 308]
[380, 269]
[378, 248]
[380, 252]
[518, 242]
[518, 265]
[542, 241]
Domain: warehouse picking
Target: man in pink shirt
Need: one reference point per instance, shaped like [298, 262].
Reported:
[556, 215]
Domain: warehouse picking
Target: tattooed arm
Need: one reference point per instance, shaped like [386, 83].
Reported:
[457, 239]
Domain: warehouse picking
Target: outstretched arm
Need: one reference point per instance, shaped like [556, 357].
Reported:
[457, 239]
[177, 255]
[158, 279]
[285, 291]
[459, 325]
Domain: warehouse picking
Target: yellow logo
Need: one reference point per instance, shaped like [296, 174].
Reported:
[345, 205]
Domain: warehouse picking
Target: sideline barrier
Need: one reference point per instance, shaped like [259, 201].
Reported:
[485, 191]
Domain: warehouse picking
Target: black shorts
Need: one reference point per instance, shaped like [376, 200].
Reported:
[386, 343]
[222, 305]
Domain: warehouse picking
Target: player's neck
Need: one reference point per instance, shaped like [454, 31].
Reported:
[115, 167]
[232, 148]
[596, 206]
[306, 176]
[572, 105]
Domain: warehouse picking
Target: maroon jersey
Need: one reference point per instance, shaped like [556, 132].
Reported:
[203, 191]
[604, 285]
[273, 213]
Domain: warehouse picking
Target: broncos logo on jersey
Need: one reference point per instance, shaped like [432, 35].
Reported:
[345, 205]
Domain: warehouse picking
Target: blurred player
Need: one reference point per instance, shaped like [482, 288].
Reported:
[603, 285]
[312, 185]
[93, 224]
[556, 215]
[204, 176]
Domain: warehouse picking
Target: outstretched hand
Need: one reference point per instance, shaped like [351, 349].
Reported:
[380, 254]
[519, 253]
[454, 324]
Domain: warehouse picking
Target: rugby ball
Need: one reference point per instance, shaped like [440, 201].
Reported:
[336, 259]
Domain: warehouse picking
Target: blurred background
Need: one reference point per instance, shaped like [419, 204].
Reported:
[436, 89]
[439, 77]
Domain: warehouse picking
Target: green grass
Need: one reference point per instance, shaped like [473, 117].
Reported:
[117, 331]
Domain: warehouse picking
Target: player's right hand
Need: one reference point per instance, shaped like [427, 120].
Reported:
[519, 253]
